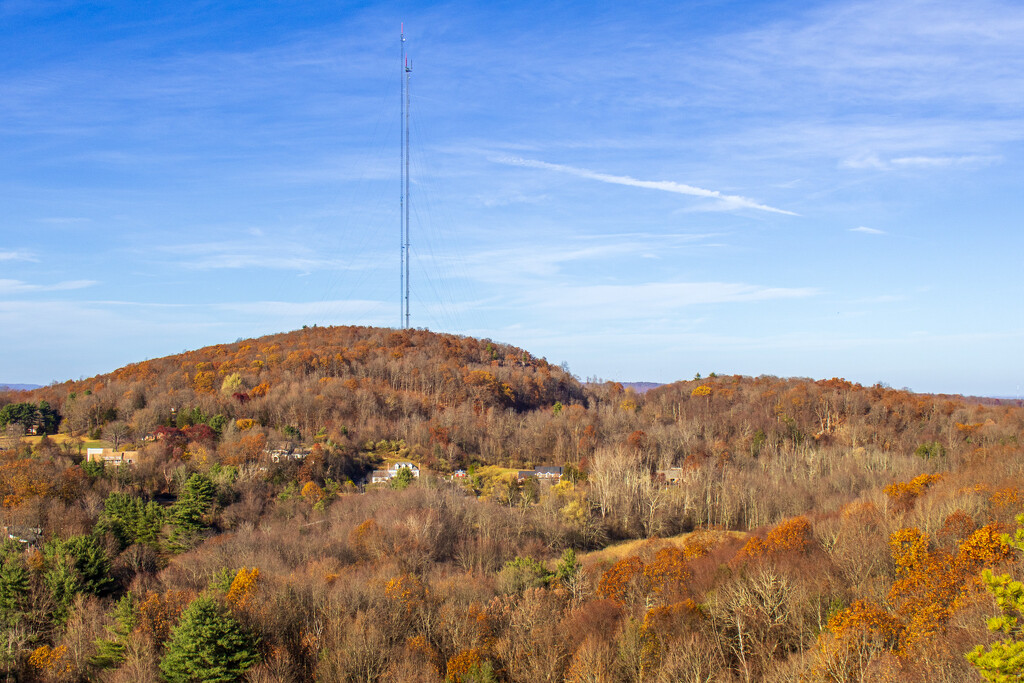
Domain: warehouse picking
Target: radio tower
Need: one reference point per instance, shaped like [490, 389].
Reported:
[403, 270]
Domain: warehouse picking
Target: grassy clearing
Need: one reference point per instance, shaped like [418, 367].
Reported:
[617, 551]
[494, 472]
[61, 438]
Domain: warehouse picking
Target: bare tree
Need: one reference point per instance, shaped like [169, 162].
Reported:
[117, 433]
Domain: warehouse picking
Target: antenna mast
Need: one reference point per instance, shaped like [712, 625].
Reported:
[404, 203]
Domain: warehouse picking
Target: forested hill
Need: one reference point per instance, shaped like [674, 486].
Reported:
[443, 369]
[357, 381]
[454, 400]
[774, 529]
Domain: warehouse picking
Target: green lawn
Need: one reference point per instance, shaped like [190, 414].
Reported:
[61, 438]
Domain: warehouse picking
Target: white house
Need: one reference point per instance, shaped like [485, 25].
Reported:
[381, 476]
[108, 456]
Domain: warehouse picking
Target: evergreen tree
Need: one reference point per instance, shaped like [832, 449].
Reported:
[208, 645]
[110, 651]
[568, 567]
[63, 583]
[130, 520]
[402, 479]
[193, 503]
[75, 565]
[85, 558]
[13, 590]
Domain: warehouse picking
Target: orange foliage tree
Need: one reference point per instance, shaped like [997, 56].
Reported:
[904, 494]
[625, 582]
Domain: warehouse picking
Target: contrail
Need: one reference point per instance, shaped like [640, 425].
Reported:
[663, 185]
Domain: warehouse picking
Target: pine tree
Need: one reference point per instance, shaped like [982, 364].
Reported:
[402, 479]
[75, 565]
[130, 520]
[208, 644]
[13, 590]
[85, 558]
[193, 503]
[568, 567]
[110, 651]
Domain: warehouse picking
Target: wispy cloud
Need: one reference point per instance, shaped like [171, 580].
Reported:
[17, 255]
[19, 287]
[266, 254]
[677, 294]
[535, 262]
[730, 200]
[873, 161]
[547, 258]
[868, 231]
[966, 160]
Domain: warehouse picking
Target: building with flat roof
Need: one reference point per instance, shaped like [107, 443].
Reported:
[108, 456]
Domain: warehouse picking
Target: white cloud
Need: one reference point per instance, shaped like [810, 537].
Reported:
[729, 200]
[868, 231]
[873, 161]
[864, 161]
[266, 254]
[943, 161]
[544, 259]
[17, 255]
[19, 287]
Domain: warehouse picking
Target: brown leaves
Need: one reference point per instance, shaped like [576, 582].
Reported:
[856, 637]
[160, 611]
[630, 581]
[931, 585]
[625, 582]
[791, 536]
[904, 494]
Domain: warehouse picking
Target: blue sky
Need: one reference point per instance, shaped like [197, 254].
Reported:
[642, 190]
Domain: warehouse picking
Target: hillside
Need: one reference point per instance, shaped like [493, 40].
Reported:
[351, 384]
[725, 528]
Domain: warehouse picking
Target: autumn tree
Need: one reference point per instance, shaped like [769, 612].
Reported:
[1003, 661]
[856, 638]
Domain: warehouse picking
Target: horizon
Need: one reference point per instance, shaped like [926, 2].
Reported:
[739, 187]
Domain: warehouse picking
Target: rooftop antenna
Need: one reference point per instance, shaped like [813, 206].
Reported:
[404, 202]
